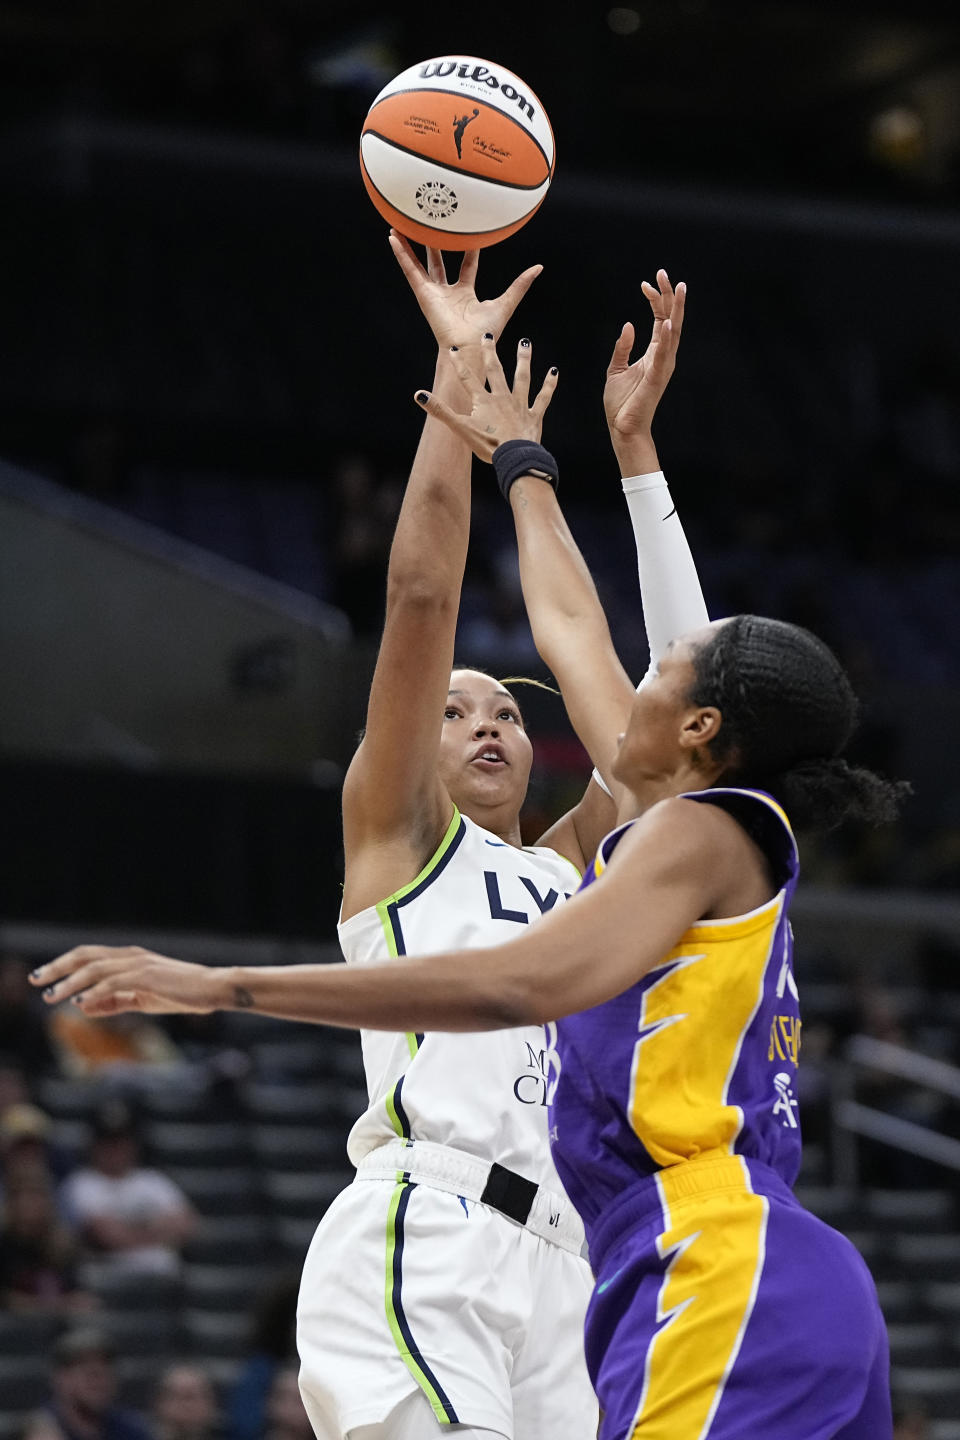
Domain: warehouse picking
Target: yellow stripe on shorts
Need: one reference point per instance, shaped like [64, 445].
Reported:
[714, 1243]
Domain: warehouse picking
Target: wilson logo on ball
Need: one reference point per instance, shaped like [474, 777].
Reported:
[457, 153]
[481, 74]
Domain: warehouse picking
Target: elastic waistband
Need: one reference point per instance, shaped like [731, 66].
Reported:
[655, 1196]
[547, 1213]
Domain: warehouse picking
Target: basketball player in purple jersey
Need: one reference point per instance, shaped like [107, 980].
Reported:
[721, 1307]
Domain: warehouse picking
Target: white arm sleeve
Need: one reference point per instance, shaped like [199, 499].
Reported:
[670, 591]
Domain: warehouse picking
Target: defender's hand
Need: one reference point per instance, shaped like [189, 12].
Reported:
[452, 310]
[497, 414]
[108, 979]
[632, 392]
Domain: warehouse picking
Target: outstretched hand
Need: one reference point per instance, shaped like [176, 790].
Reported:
[632, 392]
[499, 413]
[452, 309]
[109, 979]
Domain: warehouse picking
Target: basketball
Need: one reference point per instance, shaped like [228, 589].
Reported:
[457, 153]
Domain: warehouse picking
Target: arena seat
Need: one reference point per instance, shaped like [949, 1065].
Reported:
[184, 1142]
[242, 1240]
[297, 1147]
[227, 1191]
[221, 1333]
[24, 1382]
[936, 1390]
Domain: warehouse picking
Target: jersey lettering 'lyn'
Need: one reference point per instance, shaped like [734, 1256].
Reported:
[498, 911]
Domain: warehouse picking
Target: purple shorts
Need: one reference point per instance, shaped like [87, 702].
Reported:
[723, 1309]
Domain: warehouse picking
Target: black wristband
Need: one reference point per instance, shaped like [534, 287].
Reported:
[523, 457]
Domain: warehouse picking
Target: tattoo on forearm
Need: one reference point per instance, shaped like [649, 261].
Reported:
[242, 998]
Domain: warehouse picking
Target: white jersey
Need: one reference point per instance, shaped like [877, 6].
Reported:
[484, 1094]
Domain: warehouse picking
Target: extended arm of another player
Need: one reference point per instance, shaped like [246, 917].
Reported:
[670, 870]
[566, 617]
[568, 622]
[670, 590]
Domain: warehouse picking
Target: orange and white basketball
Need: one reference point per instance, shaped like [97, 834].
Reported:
[457, 153]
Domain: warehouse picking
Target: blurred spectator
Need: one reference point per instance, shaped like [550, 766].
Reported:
[37, 1253]
[120, 1045]
[132, 1219]
[24, 1143]
[274, 1344]
[286, 1419]
[28, 1146]
[23, 1020]
[367, 509]
[185, 1405]
[13, 1084]
[499, 635]
[880, 1015]
[84, 1384]
[910, 1424]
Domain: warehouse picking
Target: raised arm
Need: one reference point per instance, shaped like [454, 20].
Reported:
[566, 617]
[670, 590]
[395, 807]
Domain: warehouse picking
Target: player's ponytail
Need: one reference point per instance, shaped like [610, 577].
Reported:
[824, 793]
[788, 711]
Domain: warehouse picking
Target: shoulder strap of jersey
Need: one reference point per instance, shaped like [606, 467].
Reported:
[764, 820]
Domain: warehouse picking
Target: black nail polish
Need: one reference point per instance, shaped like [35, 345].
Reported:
[422, 397]
[525, 342]
[554, 370]
[488, 336]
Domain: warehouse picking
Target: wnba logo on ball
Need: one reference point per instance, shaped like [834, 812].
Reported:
[436, 199]
[480, 74]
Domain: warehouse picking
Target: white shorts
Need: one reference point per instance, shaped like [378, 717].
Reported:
[406, 1284]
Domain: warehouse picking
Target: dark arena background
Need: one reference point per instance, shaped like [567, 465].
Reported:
[207, 359]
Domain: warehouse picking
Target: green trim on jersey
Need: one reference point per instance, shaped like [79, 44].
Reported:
[532, 850]
[383, 911]
[395, 1120]
[398, 895]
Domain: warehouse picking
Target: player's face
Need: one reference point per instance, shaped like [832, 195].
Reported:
[485, 753]
[656, 743]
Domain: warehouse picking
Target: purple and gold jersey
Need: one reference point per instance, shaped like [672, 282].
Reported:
[700, 1056]
[721, 1307]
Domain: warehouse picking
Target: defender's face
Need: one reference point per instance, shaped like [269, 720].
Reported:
[652, 746]
[485, 753]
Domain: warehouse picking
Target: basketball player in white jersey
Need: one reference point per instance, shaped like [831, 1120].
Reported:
[445, 1289]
